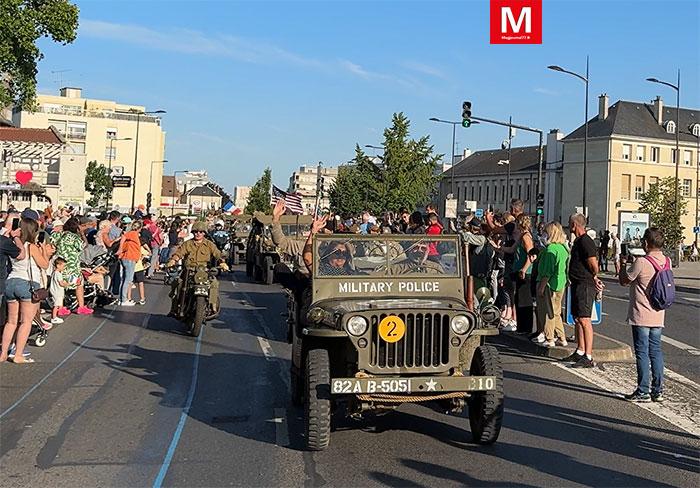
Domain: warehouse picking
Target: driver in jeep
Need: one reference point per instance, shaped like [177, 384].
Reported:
[198, 251]
[417, 261]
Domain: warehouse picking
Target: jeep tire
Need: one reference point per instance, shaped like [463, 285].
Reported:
[317, 407]
[486, 407]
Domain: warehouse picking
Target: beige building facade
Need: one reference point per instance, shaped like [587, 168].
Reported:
[240, 196]
[305, 180]
[631, 145]
[95, 130]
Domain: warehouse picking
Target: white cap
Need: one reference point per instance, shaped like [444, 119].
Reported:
[219, 222]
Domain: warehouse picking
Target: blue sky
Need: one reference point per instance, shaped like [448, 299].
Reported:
[253, 84]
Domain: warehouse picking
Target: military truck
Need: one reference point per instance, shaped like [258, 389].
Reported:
[384, 328]
[238, 227]
[261, 253]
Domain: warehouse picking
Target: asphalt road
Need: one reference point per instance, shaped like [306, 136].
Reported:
[127, 399]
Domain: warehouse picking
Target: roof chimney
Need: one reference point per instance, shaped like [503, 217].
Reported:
[659, 110]
[70, 92]
[467, 153]
[603, 107]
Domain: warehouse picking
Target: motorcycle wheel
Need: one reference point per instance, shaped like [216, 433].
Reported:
[200, 313]
[268, 274]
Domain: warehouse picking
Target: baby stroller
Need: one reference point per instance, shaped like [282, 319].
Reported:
[93, 294]
[38, 334]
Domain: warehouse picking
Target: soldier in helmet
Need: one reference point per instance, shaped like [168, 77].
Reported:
[198, 251]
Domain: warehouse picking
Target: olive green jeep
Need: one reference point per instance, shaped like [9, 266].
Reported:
[386, 322]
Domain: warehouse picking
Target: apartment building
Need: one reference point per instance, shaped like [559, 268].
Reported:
[106, 132]
[631, 145]
[240, 196]
[304, 182]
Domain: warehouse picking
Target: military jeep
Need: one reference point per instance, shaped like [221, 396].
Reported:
[238, 231]
[385, 323]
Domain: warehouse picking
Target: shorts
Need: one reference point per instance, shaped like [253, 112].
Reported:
[17, 289]
[616, 258]
[582, 298]
[139, 277]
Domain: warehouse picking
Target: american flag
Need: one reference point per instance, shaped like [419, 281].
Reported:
[293, 200]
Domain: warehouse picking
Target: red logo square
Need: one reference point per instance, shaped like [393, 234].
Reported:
[516, 21]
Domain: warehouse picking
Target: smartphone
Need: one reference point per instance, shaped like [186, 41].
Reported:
[15, 224]
[42, 236]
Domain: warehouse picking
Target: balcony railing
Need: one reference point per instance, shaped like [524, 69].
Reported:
[77, 135]
[98, 114]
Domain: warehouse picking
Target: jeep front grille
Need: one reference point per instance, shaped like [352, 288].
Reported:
[425, 344]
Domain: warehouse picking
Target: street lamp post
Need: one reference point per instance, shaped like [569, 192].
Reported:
[150, 182]
[136, 152]
[452, 150]
[111, 156]
[676, 87]
[585, 136]
[172, 207]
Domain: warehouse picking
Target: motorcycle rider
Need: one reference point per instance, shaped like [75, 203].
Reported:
[198, 251]
[219, 235]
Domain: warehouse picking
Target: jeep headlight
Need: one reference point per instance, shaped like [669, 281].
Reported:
[460, 324]
[357, 325]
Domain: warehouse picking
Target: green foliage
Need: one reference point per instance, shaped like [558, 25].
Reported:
[98, 183]
[22, 23]
[659, 201]
[259, 198]
[406, 177]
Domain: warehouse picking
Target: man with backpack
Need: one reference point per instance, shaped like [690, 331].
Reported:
[652, 292]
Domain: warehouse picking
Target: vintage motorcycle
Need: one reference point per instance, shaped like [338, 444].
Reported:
[197, 301]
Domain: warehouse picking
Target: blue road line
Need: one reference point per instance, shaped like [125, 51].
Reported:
[183, 417]
[48, 375]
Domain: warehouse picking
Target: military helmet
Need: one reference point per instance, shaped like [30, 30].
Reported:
[199, 225]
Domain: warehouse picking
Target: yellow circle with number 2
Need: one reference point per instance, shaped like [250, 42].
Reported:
[392, 328]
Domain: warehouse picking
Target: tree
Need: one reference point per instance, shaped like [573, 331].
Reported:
[405, 178]
[23, 23]
[659, 201]
[98, 183]
[259, 197]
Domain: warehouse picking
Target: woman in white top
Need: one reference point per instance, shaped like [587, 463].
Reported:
[25, 276]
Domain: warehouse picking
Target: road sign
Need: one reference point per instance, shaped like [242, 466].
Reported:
[596, 314]
[121, 181]
[117, 170]
[479, 212]
[469, 205]
[451, 208]
[696, 230]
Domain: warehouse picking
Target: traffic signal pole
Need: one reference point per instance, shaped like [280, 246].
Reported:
[540, 175]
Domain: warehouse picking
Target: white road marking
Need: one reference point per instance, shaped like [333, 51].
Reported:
[266, 348]
[607, 297]
[281, 428]
[692, 299]
[681, 407]
[681, 345]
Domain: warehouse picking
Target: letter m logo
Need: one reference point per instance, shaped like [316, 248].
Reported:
[516, 21]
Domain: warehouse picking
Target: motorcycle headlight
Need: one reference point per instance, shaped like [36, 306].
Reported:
[357, 325]
[460, 324]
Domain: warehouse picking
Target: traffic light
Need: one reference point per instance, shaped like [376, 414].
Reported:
[149, 200]
[466, 114]
[540, 204]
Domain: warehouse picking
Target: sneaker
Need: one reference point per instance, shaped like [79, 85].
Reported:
[63, 311]
[583, 362]
[127, 303]
[638, 397]
[511, 326]
[55, 320]
[657, 397]
[573, 358]
[571, 338]
[539, 339]
[546, 344]
[84, 310]
[142, 302]
[561, 342]
[13, 350]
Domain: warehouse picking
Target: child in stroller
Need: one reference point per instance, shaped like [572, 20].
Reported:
[93, 275]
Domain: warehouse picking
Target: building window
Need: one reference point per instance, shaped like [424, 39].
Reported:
[696, 130]
[77, 130]
[520, 190]
[686, 187]
[671, 127]
[638, 187]
[111, 133]
[110, 153]
[654, 154]
[77, 147]
[472, 192]
[488, 187]
[625, 189]
[479, 194]
[626, 151]
[687, 157]
[640, 153]
[59, 124]
[653, 180]
[527, 191]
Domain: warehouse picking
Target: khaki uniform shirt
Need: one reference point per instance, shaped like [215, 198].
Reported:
[198, 253]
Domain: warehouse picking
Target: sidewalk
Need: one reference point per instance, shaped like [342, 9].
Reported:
[604, 348]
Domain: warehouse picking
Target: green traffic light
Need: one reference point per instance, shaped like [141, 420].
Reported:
[466, 123]
[540, 211]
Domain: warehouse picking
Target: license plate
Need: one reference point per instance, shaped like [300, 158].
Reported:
[415, 384]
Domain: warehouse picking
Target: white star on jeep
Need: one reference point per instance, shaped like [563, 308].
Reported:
[431, 384]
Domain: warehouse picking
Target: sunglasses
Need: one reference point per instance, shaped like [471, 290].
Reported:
[420, 248]
[199, 232]
[338, 254]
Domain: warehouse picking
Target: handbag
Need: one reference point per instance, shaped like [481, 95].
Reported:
[38, 294]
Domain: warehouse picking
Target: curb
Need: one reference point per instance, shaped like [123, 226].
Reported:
[621, 351]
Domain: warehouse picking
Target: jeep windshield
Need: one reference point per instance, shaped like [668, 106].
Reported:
[385, 255]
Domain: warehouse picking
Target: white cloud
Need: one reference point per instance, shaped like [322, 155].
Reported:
[425, 69]
[545, 91]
